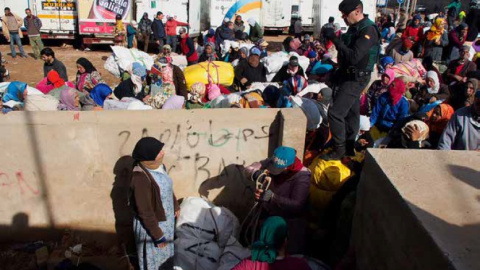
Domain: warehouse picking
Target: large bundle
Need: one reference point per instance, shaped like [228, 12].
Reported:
[122, 57]
[41, 103]
[30, 90]
[218, 72]
[276, 61]
[311, 111]
[206, 237]
[412, 68]
[327, 178]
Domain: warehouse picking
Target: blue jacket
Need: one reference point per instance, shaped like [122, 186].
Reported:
[385, 114]
[158, 29]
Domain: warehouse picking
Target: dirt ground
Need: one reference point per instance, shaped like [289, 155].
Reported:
[30, 70]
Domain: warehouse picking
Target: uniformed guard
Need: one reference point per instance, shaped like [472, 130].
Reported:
[357, 54]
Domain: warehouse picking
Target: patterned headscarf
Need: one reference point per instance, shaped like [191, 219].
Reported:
[197, 92]
[67, 100]
[272, 236]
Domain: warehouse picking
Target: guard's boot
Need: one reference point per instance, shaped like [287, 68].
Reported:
[337, 154]
[350, 148]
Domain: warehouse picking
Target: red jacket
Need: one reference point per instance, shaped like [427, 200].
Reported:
[416, 33]
[171, 27]
[188, 49]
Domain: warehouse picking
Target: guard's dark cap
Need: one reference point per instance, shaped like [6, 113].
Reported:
[347, 6]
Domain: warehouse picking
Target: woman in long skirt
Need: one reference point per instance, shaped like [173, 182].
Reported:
[155, 206]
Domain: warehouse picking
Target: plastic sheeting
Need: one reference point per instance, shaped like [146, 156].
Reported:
[206, 237]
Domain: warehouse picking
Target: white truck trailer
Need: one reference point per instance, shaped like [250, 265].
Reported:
[193, 12]
[323, 9]
[276, 15]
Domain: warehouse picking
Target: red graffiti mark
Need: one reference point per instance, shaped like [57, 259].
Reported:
[76, 116]
[21, 180]
[4, 184]
[20, 183]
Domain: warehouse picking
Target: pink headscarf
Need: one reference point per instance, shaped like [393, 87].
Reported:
[391, 74]
[67, 100]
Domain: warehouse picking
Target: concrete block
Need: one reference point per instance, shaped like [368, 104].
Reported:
[418, 210]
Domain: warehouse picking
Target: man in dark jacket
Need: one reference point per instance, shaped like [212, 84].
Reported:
[293, 68]
[48, 56]
[188, 48]
[248, 72]
[145, 30]
[158, 29]
[287, 195]
[33, 25]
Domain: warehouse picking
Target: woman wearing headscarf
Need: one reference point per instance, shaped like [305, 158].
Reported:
[209, 53]
[391, 107]
[95, 100]
[196, 96]
[16, 91]
[131, 33]
[133, 86]
[58, 84]
[256, 32]
[376, 90]
[69, 100]
[172, 74]
[87, 75]
[269, 252]
[456, 40]
[154, 204]
[414, 30]
[119, 31]
[432, 92]
[435, 40]
[438, 120]
[174, 103]
[463, 94]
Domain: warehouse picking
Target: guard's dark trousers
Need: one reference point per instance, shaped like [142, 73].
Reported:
[344, 115]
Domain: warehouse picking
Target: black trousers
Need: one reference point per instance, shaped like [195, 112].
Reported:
[344, 114]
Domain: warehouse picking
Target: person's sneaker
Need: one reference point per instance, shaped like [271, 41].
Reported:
[24, 56]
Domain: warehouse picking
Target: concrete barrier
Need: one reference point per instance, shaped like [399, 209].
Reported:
[70, 169]
[418, 210]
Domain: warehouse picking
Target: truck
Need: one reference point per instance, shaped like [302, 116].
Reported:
[306, 11]
[228, 9]
[276, 15]
[193, 12]
[96, 19]
[59, 18]
[323, 9]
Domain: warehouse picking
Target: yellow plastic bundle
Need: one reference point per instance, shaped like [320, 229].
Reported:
[327, 178]
[220, 73]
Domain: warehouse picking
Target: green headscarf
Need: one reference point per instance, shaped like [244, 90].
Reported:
[272, 235]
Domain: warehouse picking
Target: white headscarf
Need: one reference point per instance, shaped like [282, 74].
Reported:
[251, 21]
[433, 75]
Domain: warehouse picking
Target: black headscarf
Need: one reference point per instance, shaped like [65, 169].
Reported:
[147, 149]
[86, 64]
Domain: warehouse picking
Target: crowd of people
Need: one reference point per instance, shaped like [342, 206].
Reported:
[426, 96]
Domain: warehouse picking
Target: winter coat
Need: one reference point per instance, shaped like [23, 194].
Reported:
[462, 132]
[434, 50]
[223, 33]
[239, 27]
[188, 49]
[244, 70]
[385, 114]
[415, 33]
[158, 29]
[145, 26]
[171, 27]
[36, 22]
[5, 31]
